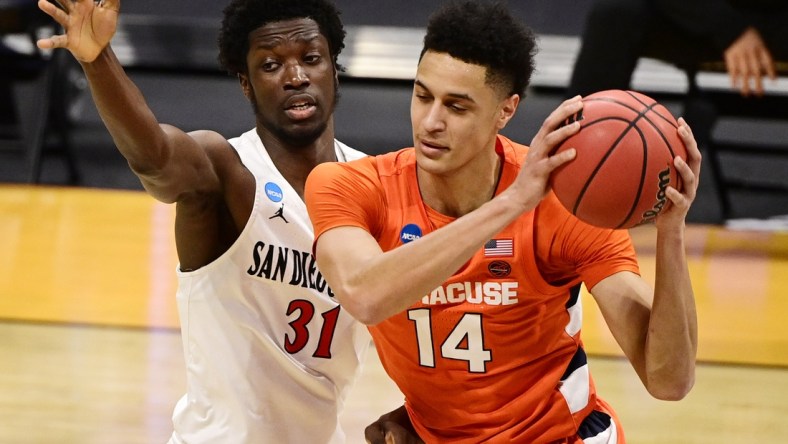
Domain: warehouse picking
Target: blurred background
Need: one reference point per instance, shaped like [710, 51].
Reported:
[169, 50]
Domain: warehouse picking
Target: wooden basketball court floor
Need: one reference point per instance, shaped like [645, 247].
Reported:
[90, 350]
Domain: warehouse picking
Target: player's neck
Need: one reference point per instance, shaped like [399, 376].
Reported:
[461, 191]
[295, 163]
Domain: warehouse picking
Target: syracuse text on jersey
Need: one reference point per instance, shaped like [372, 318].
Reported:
[287, 265]
[489, 293]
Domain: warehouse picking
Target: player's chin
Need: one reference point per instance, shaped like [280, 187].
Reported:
[435, 167]
[305, 133]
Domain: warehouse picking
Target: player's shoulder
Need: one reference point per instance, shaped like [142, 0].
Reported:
[552, 219]
[513, 152]
[550, 211]
[395, 162]
[342, 177]
[218, 150]
[349, 153]
[211, 141]
[236, 183]
[364, 165]
[368, 166]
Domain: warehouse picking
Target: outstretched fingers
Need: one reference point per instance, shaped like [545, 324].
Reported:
[55, 41]
[65, 5]
[60, 15]
[89, 26]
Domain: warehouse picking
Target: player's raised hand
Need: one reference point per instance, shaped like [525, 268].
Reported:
[89, 26]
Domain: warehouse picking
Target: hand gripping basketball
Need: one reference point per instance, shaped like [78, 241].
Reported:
[624, 163]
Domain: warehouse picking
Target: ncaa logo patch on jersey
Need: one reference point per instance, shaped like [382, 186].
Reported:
[273, 192]
[410, 232]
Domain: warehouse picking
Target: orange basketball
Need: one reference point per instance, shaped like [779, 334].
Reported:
[625, 150]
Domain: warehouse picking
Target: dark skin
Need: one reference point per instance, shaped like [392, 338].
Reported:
[291, 79]
[289, 65]
[393, 427]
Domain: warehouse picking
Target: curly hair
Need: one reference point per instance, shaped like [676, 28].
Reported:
[244, 16]
[485, 34]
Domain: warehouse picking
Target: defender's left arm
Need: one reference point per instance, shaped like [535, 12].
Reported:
[658, 329]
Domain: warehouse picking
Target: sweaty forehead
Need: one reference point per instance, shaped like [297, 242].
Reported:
[276, 33]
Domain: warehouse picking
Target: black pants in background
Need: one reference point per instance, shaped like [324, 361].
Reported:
[619, 32]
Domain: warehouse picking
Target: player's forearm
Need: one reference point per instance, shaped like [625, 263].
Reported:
[672, 341]
[123, 109]
[390, 282]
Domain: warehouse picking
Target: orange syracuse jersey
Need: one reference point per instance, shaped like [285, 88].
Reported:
[494, 353]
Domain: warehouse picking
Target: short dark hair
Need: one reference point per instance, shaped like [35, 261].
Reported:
[241, 17]
[486, 34]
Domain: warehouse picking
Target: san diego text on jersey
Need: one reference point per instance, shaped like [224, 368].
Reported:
[287, 265]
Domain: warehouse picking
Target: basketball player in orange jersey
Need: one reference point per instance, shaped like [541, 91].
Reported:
[466, 268]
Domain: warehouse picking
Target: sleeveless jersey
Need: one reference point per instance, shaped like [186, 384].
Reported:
[270, 355]
[494, 354]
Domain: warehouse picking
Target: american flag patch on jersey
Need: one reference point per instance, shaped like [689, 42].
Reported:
[499, 248]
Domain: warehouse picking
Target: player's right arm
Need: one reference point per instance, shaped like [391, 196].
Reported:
[171, 164]
[373, 285]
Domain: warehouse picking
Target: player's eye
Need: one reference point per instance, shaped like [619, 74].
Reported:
[270, 66]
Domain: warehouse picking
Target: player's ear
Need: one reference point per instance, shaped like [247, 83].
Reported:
[337, 70]
[507, 109]
[246, 87]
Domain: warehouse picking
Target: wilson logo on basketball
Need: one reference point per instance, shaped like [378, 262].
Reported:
[499, 268]
[664, 181]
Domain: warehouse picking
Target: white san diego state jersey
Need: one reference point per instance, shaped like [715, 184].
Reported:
[270, 354]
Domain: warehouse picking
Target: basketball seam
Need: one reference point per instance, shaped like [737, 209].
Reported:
[659, 131]
[602, 160]
[630, 124]
[642, 177]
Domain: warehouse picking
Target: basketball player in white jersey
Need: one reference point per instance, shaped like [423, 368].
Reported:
[270, 355]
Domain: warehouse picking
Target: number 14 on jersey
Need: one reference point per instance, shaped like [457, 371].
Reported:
[464, 343]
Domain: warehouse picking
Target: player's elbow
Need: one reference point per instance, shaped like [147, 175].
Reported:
[675, 388]
[364, 313]
[360, 306]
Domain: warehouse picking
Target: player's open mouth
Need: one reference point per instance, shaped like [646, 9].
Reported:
[300, 108]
